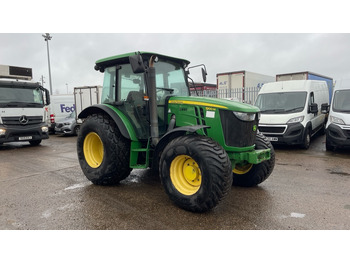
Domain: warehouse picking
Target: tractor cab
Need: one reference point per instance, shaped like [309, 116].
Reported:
[129, 91]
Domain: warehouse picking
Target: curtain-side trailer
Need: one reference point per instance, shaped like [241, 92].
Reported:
[307, 75]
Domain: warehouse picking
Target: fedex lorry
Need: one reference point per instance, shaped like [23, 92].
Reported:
[22, 107]
[61, 107]
[235, 85]
[291, 111]
[307, 75]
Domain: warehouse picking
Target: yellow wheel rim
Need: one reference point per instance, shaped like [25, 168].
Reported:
[93, 150]
[185, 175]
[242, 169]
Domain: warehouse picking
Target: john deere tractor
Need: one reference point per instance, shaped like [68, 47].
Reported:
[199, 146]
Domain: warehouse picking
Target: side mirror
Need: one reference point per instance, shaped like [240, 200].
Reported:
[204, 75]
[47, 97]
[313, 108]
[136, 63]
[325, 108]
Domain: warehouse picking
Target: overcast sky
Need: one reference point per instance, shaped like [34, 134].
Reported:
[73, 56]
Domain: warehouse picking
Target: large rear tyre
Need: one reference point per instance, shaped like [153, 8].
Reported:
[249, 175]
[103, 152]
[195, 172]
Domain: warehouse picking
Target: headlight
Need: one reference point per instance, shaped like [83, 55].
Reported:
[296, 120]
[44, 129]
[336, 120]
[245, 116]
[2, 131]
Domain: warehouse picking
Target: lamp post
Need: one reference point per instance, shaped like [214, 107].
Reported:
[47, 37]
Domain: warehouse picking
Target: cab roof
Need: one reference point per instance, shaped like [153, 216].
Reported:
[124, 59]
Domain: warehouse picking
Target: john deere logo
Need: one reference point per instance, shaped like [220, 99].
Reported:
[254, 128]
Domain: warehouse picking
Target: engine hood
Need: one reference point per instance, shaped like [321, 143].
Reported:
[214, 103]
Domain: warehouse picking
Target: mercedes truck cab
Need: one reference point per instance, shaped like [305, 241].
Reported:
[22, 107]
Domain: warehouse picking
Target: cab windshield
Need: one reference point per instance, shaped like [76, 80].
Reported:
[21, 97]
[341, 101]
[281, 103]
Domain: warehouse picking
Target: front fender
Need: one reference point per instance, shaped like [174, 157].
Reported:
[117, 116]
[167, 137]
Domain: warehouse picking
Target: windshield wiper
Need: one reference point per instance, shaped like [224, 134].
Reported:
[20, 104]
[279, 110]
[294, 109]
[166, 89]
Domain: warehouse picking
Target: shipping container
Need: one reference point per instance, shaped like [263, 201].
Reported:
[236, 82]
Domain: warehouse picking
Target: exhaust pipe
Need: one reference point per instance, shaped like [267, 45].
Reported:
[153, 101]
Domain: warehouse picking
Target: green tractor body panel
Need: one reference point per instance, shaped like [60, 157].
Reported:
[234, 135]
[232, 124]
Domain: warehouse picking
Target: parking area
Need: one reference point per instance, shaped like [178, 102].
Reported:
[43, 187]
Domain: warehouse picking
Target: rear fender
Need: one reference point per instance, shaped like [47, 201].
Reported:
[117, 116]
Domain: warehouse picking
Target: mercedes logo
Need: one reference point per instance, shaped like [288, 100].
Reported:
[23, 120]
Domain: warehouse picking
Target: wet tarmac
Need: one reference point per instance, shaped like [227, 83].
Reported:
[43, 187]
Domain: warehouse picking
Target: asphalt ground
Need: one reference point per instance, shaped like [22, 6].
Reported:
[43, 187]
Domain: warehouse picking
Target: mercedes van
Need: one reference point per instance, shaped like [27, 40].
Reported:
[338, 124]
[291, 111]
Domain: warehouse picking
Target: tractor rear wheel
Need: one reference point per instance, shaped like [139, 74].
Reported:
[103, 152]
[195, 172]
[248, 175]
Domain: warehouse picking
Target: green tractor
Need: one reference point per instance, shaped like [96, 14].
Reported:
[199, 146]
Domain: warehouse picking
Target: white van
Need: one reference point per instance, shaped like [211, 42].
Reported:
[61, 106]
[338, 124]
[291, 110]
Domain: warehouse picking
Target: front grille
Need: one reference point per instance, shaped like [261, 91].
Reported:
[14, 120]
[347, 133]
[272, 129]
[237, 133]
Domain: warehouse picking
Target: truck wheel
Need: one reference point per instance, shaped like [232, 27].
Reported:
[103, 152]
[329, 147]
[35, 142]
[195, 172]
[307, 139]
[249, 175]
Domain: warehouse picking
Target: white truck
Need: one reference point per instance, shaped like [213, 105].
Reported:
[22, 107]
[241, 85]
[86, 96]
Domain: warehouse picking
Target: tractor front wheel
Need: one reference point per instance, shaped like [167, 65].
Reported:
[103, 152]
[248, 175]
[195, 172]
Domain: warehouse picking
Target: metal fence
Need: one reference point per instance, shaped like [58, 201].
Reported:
[246, 95]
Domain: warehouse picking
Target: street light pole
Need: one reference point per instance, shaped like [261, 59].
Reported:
[47, 37]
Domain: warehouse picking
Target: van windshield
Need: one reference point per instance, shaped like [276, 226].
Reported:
[281, 103]
[341, 101]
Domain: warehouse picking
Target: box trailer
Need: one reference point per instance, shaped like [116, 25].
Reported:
[242, 85]
[307, 75]
[86, 96]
